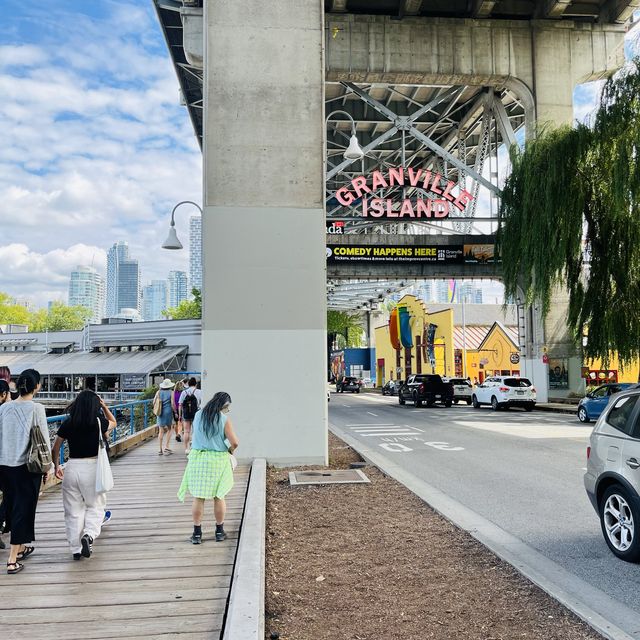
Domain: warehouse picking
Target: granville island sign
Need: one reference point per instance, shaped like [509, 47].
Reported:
[447, 194]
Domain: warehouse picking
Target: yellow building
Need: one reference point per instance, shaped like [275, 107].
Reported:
[490, 350]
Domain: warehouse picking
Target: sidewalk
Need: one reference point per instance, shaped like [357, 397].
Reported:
[145, 579]
[558, 407]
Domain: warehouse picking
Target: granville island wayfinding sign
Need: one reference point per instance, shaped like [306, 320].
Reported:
[447, 194]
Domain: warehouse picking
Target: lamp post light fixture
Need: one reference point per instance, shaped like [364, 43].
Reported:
[172, 241]
[354, 150]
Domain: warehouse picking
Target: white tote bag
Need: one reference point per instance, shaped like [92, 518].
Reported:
[104, 477]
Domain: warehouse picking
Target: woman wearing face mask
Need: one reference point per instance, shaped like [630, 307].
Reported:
[209, 473]
[21, 487]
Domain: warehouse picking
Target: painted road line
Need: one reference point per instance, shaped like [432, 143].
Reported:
[533, 432]
[369, 424]
[375, 415]
[391, 433]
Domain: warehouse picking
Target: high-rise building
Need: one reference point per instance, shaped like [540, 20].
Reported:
[195, 252]
[123, 280]
[178, 287]
[86, 288]
[443, 294]
[154, 300]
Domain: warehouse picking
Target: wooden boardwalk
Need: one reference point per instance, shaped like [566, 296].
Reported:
[144, 579]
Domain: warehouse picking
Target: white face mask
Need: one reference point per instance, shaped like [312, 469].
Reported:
[226, 409]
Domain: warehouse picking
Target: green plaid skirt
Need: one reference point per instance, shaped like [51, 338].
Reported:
[208, 475]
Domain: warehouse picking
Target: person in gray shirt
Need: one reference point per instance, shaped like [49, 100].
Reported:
[21, 487]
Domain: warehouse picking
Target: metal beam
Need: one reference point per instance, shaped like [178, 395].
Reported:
[443, 153]
[338, 6]
[619, 10]
[506, 130]
[482, 8]
[555, 8]
[409, 8]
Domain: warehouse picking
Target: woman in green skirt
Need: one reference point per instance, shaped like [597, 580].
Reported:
[209, 473]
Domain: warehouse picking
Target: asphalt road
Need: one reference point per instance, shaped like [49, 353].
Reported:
[522, 471]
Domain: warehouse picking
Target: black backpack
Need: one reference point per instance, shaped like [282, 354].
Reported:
[189, 406]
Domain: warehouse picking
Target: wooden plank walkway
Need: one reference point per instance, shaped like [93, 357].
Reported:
[144, 579]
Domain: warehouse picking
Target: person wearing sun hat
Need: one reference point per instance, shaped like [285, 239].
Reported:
[165, 419]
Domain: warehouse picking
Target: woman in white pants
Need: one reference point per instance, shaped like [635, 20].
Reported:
[83, 507]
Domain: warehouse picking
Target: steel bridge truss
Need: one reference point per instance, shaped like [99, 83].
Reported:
[462, 132]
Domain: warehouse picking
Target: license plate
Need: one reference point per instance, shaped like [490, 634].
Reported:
[438, 396]
[520, 393]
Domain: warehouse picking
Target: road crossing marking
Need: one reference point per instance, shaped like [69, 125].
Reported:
[530, 431]
[369, 424]
[375, 415]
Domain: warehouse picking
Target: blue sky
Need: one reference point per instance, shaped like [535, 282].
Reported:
[95, 146]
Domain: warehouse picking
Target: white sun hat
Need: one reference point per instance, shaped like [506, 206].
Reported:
[166, 384]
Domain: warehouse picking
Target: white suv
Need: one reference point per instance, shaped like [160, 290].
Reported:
[502, 392]
[462, 390]
[612, 479]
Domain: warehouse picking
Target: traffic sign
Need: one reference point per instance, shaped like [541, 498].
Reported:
[514, 358]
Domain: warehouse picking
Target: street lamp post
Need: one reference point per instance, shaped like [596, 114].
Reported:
[172, 241]
[354, 150]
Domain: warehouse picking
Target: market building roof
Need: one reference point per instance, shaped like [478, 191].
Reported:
[84, 363]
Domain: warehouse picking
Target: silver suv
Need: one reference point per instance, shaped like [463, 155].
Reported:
[612, 479]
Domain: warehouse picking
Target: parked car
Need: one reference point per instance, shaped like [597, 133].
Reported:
[612, 479]
[462, 390]
[391, 388]
[594, 403]
[502, 392]
[348, 384]
[427, 388]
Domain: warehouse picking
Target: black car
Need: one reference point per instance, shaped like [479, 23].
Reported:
[427, 388]
[348, 384]
[391, 388]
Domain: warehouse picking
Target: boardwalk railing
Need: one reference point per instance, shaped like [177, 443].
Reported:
[131, 417]
[107, 396]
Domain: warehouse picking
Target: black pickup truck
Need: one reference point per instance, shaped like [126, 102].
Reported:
[427, 388]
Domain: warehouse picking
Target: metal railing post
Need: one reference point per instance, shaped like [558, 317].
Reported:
[146, 416]
[132, 424]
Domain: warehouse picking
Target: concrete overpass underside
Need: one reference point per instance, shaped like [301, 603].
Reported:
[276, 90]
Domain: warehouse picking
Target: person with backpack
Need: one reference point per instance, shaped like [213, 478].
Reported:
[22, 486]
[164, 412]
[189, 403]
[84, 508]
[209, 472]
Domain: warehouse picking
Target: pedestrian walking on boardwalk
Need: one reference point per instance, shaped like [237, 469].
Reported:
[4, 397]
[189, 403]
[84, 508]
[175, 406]
[209, 472]
[165, 419]
[21, 487]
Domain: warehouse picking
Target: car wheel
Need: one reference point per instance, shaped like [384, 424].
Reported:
[583, 416]
[529, 407]
[400, 398]
[474, 401]
[431, 403]
[455, 402]
[495, 405]
[620, 519]
[468, 402]
[416, 401]
[357, 390]
[447, 403]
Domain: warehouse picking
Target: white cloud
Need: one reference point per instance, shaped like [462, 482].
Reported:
[96, 147]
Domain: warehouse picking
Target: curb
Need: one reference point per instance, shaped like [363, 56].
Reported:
[570, 410]
[244, 618]
[567, 589]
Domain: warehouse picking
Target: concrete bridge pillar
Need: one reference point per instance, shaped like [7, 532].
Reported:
[263, 234]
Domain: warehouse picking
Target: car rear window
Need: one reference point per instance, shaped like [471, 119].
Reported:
[427, 378]
[619, 417]
[517, 382]
[459, 381]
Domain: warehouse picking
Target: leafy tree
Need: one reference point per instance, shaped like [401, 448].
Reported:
[59, 317]
[187, 309]
[11, 313]
[573, 193]
[344, 328]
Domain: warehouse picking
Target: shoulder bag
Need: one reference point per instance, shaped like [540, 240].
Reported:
[104, 477]
[157, 404]
[38, 452]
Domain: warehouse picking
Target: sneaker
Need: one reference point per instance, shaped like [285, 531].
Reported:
[221, 535]
[178, 438]
[196, 538]
[77, 556]
[87, 545]
[107, 517]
